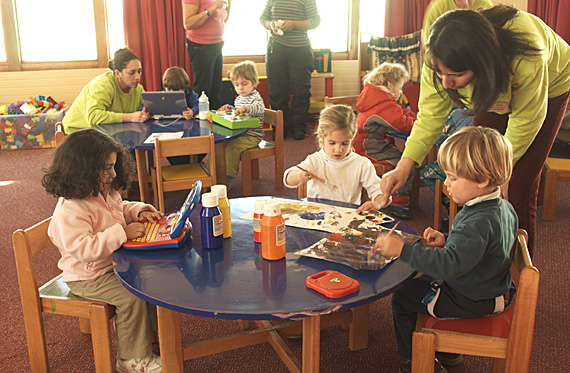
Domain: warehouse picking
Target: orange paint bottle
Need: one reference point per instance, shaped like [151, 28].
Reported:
[272, 232]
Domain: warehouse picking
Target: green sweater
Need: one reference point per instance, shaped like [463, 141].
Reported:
[101, 101]
[535, 80]
[475, 260]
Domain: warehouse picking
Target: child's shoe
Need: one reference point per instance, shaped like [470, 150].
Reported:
[406, 367]
[398, 210]
[147, 364]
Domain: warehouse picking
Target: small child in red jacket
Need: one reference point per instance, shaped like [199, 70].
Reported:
[379, 113]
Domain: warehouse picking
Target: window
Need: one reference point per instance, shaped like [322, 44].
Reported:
[371, 18]
[2, 46]
[40, 36]
[244, 34]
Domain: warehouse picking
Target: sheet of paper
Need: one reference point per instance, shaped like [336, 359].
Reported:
[163, 136]
[319, 216]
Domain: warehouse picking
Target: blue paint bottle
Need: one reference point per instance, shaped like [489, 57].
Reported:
[212, 222]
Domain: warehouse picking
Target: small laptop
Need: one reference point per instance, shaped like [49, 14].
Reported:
[164, 104]
[168, 232]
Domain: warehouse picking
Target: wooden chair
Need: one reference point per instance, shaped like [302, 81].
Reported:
[441, 189]
[506, 337]
[250, 157]
[342, 100]
[59, 134]
[554, 170]
[181, 177]
[54, 297]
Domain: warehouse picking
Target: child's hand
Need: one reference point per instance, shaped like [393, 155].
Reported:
[151, 216]
[134, 230]
[389, 245]
[433, 238]
[226, 107]
[188, 114]
[240, 111]
[304, 176]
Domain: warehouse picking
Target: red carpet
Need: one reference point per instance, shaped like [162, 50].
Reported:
[24, 202]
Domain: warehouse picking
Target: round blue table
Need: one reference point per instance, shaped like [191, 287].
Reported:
[235, 282]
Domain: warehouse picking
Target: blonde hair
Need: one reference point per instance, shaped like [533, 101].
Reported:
[245, 70]
[336, 118]
[387, 73]
[175, 79]
[476, 154]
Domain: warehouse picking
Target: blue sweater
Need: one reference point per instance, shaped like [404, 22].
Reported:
[475, 260]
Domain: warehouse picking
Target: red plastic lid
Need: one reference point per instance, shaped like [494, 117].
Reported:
[332, 284]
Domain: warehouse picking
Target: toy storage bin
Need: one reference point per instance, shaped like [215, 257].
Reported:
[33, 131]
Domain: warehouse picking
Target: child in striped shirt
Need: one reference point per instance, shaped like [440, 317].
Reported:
[248, 102]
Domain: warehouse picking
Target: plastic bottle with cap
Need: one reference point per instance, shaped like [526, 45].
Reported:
[272, 232]
[224, 204]
[203, 106]
[258, 209]
[212, 222]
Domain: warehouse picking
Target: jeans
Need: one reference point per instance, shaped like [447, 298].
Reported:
[407, 302]
[289, 71]
[207, 63]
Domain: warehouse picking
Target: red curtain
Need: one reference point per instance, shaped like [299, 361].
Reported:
[555, 13]
[404, 16]
[154, 30]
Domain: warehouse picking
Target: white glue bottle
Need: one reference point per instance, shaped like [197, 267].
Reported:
[203, 106]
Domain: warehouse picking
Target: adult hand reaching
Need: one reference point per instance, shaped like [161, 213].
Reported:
[392, 181]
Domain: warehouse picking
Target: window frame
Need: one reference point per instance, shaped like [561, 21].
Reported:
[13, 58]
[14, 63]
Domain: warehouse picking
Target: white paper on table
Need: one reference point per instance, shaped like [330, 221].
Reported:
[323, 217]
[163, 136]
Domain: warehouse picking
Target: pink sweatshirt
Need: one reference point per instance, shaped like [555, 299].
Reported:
[88, 231]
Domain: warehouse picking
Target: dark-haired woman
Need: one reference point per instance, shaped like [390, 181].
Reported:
[112, 97]
[513, 72]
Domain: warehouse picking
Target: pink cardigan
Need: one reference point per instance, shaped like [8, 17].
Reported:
[88, 231]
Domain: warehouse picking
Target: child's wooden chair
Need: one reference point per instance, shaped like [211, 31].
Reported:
[440, 190]
[506, 337]
[554, 170]
[181, 177]
[54, 297]
[250, 157]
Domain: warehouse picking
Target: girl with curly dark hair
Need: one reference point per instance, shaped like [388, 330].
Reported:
[89, 223]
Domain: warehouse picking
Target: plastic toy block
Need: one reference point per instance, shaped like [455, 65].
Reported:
[18, 143]
[40, 97]
[3, 109]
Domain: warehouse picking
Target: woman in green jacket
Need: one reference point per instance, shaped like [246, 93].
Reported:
[513, 72]
[112, 97]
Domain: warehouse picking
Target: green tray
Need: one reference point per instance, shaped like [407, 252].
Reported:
[241, 122]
